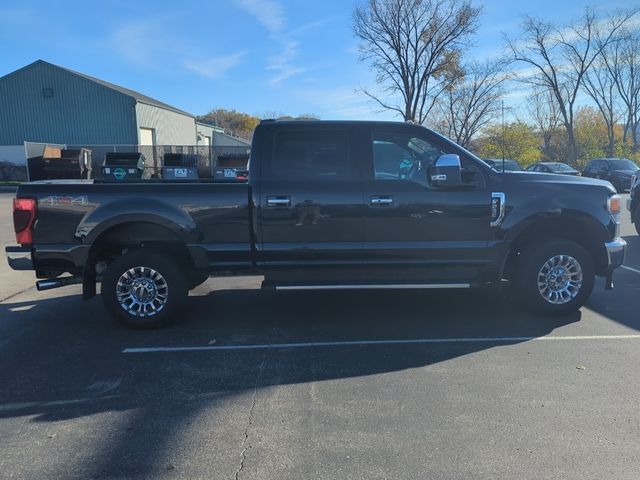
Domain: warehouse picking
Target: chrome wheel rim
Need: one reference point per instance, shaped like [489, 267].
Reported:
[560, 279]
[142, 292]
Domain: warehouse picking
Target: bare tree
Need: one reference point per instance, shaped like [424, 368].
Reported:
[471, 102]
[600, 85]
[623, 62]
[414, 48]
[560, 58]
[544, 113]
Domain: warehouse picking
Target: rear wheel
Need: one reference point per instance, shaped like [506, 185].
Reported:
[143, 289]
[555, 277]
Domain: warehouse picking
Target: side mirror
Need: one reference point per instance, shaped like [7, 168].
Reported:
[446, 172]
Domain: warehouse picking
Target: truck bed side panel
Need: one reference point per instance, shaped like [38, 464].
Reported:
[212, 220]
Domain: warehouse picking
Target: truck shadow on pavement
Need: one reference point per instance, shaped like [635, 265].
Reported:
[620, 304]
[61, 359]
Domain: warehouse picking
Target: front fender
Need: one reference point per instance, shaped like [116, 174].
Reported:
[586, 209]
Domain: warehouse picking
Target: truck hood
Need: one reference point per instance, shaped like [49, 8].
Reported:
[555, 179]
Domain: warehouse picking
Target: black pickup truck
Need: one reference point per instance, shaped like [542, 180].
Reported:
[327, 205]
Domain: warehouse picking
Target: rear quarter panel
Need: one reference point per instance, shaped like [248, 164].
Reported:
[203, 215]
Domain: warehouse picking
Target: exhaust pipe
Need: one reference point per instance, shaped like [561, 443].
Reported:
[51, 283]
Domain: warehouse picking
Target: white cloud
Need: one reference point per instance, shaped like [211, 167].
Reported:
[144, 42]
[343, 103]
[151, 43]
[268, 12]
[271, 14]
[215, 67]
[282, 64]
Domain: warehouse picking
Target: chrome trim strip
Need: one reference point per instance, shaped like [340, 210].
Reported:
[615, 252]
[375, 286]
[278, 201]
[502, 197]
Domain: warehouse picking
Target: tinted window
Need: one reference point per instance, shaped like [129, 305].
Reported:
[622, 164]
[593, 166]
[310, 155]
[402, 156]
[561, 168]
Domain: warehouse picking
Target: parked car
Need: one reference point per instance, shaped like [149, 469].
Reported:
[618, 171]
[553, 167]
[506, 164]
[633, 202]
[327, 205]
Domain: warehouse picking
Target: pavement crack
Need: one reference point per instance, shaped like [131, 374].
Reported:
[245, 441]
[16, 294]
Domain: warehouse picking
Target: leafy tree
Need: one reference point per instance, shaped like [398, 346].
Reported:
[591, 135]
[471, 103]
[562, 56]
[414, 47]
[517, 141]
[234, 122]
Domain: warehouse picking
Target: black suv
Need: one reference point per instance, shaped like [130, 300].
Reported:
[633, 202]
[618, 171]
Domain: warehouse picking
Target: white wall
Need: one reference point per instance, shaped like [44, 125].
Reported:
[13, 154]
[171, 128]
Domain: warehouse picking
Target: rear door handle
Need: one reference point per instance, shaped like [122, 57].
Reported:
[278, 201]
[381, 201]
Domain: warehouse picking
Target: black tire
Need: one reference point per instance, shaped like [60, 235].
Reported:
[636, 220]
[530, 265]
[168, 290]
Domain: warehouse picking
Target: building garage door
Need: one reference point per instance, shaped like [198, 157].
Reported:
[147, 136]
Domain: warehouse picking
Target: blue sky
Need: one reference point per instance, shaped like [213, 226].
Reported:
[256, 56]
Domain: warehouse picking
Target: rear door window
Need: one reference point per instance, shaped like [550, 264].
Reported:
[310, 155]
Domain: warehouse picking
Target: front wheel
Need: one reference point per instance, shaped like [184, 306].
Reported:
[143, 289]
[555, 277]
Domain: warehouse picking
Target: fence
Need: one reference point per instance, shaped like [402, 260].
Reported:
[205, 158]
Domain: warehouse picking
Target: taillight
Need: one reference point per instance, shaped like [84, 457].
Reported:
[24, 216]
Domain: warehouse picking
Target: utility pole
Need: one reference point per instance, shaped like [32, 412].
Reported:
[502, 142]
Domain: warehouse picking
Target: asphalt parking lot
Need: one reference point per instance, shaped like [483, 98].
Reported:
[258, 385]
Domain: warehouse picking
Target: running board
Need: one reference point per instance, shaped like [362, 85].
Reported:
[375, 286]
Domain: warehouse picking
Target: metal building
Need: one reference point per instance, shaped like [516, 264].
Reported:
[43, 102]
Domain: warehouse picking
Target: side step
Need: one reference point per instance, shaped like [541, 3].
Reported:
[392, 286]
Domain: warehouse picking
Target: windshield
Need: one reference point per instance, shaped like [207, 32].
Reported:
[561, 168]
[509, 165]
[622, 164]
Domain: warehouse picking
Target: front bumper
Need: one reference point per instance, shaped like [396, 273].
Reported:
[19, 258]
[615, 252]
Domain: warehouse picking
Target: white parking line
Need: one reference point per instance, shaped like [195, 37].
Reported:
[351, 343]
[630, 269]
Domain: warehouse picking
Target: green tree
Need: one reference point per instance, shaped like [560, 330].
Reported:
[234, 122]
[516, 140]
[591, 135]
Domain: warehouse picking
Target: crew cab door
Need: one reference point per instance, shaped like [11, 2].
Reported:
[416, 231]
[310, 197]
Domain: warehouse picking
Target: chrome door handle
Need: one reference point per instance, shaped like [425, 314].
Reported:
[279, 201]
[381, 201]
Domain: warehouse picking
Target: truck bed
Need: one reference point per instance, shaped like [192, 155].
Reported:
[211, 219]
